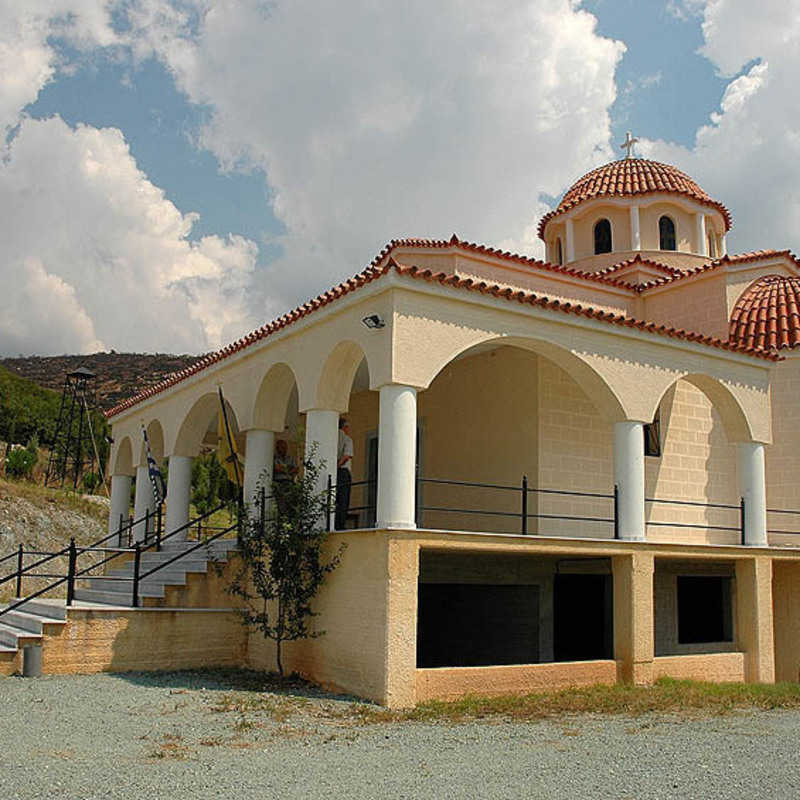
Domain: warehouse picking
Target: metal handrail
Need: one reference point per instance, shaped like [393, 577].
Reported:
[695, 503]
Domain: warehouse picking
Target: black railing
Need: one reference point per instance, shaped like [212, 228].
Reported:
[523, 513]
[154, 540]
[793, 514]
[736, 524]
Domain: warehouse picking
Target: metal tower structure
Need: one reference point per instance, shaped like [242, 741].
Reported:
[73, 444]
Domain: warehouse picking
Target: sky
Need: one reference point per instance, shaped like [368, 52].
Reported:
[175, 173]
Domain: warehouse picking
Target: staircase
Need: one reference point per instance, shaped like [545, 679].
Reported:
[152, 589]
[28, 624]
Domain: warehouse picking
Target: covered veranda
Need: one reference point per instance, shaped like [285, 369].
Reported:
[467, 402]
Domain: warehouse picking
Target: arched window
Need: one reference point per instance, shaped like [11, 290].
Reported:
[666, 233]
[712, 245]
[602, 236]
[559, 252]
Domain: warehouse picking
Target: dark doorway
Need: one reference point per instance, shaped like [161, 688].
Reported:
[582, 618]
[476, 625]
[704, 609]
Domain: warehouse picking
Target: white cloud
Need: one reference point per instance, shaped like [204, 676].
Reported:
[379, 121]
[748, 155]
[370, 122]
[28, 59]
[94, 255]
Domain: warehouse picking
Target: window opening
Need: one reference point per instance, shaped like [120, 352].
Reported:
[666, 233]
[705, 613]
[602, 237]
[559, 252]
[652, 436]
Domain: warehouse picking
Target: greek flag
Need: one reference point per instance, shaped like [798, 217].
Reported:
[156, 478]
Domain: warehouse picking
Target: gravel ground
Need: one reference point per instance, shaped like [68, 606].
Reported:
[200, 735]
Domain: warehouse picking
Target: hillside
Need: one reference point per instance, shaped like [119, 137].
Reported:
[28, 409]
[42, 519]
[119, 375]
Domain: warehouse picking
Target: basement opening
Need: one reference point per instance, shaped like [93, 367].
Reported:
[490, 610]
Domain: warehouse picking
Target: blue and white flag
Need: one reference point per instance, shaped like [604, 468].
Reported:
[156, 478]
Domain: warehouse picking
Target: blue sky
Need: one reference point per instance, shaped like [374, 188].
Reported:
[173, 173]
[660, 64]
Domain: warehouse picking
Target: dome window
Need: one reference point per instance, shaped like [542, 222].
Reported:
[666, 234]
[559, 252]
[602, 237]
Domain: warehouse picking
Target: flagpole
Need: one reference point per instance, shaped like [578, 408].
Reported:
[231, 447]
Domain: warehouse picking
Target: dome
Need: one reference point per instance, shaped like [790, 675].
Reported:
[767, 315]
[631, 177]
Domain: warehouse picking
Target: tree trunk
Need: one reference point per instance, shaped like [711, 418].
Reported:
[279, 637]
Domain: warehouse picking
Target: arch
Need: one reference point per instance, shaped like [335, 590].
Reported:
[734, 419]
[123, 458]
[590, 381]
[201, 418]
[155, 435]
[602, 236]
[666, 233]
[272, 398]
[336, 380]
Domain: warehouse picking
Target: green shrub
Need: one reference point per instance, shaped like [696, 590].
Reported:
[21, 460]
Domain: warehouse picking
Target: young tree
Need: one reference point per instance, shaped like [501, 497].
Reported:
[283, 566]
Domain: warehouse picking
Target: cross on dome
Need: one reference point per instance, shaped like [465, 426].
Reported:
[628, 144]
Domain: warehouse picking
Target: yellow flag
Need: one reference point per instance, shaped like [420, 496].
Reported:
[226, 456]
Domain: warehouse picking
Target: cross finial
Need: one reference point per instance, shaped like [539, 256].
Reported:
[628, 144]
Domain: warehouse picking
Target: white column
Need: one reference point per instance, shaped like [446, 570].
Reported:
[259, 454]
[120, 501]
[629, 478]
[397, 455]
[700, 233]
[179, 490]
[723, 245]
[143, 501]
[322, 429]
[753, 488]
[636, 237]
[570, 240]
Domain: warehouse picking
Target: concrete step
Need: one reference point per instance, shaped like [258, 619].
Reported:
[124, 598]
[53, 610]
[29, 622]
[125, 586]
[12, 636]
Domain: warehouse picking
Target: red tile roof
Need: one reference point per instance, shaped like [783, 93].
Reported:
[740, 258]
[382, 264]
[767, 315]
[632, 177]
[636, 261]
[470, 247]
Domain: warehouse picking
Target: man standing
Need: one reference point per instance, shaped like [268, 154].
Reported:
[344, 474]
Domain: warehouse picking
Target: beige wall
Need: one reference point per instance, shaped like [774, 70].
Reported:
[697, 304]
[786, 609]
[684, 226]
[353, 608]
[783, 455]
[152, 639]
[620, 229]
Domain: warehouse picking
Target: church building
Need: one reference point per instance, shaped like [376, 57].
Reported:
[572, 471]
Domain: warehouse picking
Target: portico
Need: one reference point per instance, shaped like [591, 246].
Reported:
[531, 455]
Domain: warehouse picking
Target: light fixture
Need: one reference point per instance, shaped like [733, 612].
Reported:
[374, 322]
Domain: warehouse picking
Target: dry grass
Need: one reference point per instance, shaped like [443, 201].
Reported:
[667, 696]
[39, 496]
[280, 700]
